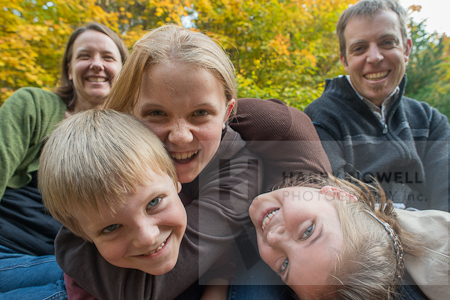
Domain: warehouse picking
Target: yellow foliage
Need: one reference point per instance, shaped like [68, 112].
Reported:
[281, 49]
[414, 8]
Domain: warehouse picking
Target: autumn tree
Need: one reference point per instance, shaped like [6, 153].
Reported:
[281, 49]
[33, 35]
[428, 68]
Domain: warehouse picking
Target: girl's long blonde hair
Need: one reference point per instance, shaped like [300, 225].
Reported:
[170, 43]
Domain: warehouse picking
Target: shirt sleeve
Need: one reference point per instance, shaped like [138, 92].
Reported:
[76, 292]
[16, 128]
[25, 119]
[436, 162]
[284, 138]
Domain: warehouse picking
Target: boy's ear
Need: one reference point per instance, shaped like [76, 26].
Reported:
[179, 187]
[334, 193]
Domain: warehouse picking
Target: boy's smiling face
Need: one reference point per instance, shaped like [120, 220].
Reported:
[145, 233]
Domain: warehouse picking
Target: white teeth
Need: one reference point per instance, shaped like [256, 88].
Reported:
[376, 76]
[96, 79]
[157, 249]
[183, 155]
[160, 247]
[269, 217]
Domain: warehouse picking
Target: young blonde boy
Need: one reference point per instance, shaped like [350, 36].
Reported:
[108, 179]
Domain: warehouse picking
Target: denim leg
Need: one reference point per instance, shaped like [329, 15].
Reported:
[51, 291]
[260, 282]
[30, 277]
[410, 292]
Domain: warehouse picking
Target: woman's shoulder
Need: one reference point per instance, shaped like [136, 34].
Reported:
[40, 106]
[36, 94]
[28, 95]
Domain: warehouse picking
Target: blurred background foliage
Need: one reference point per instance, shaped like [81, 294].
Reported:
[281, 49]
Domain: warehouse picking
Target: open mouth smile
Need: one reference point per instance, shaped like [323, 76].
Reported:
[183, 158]
[159, 248]
[268, 217]
[96, 79]
[376, 76]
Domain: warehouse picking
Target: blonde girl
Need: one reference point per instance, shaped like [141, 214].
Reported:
[331, 239]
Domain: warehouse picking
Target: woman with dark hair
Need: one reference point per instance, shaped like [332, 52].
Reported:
[69, 89]
[92, 60]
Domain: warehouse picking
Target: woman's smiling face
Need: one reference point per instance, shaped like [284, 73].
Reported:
[186, 107]
[95, 62]
[299, 235]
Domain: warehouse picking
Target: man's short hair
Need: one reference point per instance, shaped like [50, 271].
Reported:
[93, 159]
[369, 8]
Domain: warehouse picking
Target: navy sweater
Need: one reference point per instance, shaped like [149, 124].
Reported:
[409, 156]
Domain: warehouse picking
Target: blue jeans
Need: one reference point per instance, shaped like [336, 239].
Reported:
[259, 282]
[30, 277]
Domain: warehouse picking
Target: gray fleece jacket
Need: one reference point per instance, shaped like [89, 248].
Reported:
[409, 156]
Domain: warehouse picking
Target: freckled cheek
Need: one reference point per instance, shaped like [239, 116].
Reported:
[113, 252]
[211, 132]
[172, 216]
[160, 131]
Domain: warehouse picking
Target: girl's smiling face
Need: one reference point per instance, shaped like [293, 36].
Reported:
[299, 234]
[186, 107]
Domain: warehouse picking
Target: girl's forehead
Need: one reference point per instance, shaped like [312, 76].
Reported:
[297, 192]
[293, 189]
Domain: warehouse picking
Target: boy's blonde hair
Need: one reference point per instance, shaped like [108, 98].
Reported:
[93, 159]
[170, 43]
[367, 264]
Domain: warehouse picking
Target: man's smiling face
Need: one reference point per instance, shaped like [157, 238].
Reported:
[375, 55]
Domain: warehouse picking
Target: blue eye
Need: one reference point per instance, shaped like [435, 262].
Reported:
[111, 228]
[307, 232]
[284, 266]
[154, 202]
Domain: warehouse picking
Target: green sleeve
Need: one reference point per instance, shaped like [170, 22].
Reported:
[26, 118]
